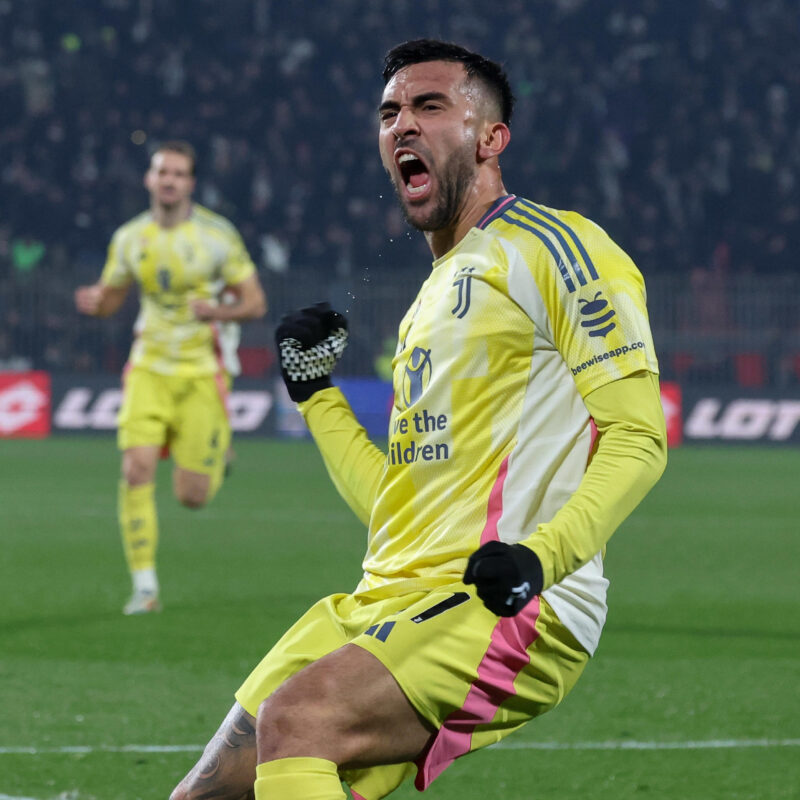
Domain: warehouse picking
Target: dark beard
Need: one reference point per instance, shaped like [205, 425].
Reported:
[457, 174]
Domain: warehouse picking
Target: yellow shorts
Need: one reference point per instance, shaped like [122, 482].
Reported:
[475, 677]
[186, 414]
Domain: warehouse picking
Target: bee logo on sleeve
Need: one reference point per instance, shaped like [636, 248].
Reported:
[598, 315]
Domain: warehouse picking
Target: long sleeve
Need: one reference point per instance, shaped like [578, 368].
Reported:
[354, 463]
[630, 457]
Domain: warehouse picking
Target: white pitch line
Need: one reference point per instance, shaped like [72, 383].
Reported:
[623, 744]
[88, 749]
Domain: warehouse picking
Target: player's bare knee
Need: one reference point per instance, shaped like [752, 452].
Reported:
[284, 719]
[136, 471]
[192, 497]
[302, 716]
[276, 729]
[191, 488]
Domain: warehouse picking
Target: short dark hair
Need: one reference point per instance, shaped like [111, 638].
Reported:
[477, 67]
[179, 146]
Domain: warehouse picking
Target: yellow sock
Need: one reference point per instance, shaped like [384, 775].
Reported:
[298, 779]
[139, 525]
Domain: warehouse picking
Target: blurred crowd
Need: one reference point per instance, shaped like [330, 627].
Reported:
[673, 125]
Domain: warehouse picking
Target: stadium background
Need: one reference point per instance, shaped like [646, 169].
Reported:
[675, 125]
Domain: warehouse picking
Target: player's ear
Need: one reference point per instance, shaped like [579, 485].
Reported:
[494, 138]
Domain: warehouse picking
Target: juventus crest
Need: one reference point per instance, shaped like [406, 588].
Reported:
[463, 283]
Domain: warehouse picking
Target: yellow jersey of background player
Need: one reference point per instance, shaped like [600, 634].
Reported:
[177, 269]
[182, 256]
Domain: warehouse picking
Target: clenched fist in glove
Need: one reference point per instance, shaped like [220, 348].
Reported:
[310, 342]
[506, 576]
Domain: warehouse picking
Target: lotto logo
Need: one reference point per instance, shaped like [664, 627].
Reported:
[89, 408]
[24, 404]
[744, 419]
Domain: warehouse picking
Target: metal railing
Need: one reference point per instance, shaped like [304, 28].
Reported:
[740, 330]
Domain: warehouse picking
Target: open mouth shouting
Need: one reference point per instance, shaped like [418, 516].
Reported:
[414, 175]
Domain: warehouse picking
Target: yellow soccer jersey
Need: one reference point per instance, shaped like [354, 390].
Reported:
[174, 266]
[489, 435]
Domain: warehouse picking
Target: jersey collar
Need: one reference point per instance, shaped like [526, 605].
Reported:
[497, 208]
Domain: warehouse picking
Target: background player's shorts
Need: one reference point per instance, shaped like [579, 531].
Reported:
[188, 414]
[473, 676]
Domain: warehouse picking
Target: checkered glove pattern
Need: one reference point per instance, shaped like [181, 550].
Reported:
[310, 342]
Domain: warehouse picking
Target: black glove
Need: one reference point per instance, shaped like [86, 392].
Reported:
[310, 342]
[506, 576]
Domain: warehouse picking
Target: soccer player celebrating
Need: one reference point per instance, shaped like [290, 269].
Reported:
[483, 594]
[180, 254]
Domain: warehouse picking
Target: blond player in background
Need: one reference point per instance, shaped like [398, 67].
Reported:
[180, 255]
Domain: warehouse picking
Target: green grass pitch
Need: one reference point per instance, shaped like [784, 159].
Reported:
[694, 692]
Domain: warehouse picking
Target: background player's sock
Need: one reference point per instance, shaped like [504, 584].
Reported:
[298, 779]
[145, 580]
[139, 526]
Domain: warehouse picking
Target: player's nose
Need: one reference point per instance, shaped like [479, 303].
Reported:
[405, 123]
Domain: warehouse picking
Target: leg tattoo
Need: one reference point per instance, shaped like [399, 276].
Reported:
[227, 768]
